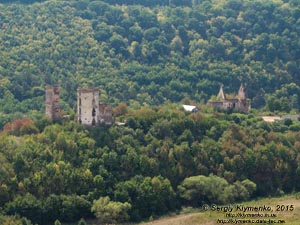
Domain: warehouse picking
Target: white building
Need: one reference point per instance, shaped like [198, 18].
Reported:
[190, 108]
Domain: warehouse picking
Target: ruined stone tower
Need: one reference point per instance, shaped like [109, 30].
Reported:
[105, 114]
[52, 102]
[88, 106]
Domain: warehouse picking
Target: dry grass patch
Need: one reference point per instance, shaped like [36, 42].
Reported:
[291, 217]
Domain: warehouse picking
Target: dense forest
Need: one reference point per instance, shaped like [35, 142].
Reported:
[162, 160]
[146, 57]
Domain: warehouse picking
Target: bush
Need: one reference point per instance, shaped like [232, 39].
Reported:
[27, 206]
[110, 212]
[198, 190]
[14, 220]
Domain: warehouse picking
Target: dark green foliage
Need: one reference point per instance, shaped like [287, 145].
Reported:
[108, 212]
[198, 190]
[65, 208]
[143, 54]
[161, 160]
[148, 55]
[147, 196]
[28, 206]
[15, 220]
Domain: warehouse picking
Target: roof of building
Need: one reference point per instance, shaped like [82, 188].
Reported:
[190, 108]
[120, 123]
[221, 95]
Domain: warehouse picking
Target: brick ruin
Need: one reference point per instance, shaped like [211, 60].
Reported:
[92, 113]
[52, 102]
[89, 111]
[239, 103]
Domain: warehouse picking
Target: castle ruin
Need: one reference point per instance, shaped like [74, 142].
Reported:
[89, 111]
[239, 103]
[52, 102]
[105, 114]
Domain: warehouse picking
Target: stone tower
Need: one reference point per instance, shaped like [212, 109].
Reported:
[241, 93]
[52, 102]
[88, 106]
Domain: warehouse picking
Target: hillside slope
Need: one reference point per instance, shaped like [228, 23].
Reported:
[149, 55]
[162, 160]
[211, 218]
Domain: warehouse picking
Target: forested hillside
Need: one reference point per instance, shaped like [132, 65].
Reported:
[162, 160]
[146, 57]
[149, 54]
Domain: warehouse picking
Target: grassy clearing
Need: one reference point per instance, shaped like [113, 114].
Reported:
[286, 209]
[192, 216]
